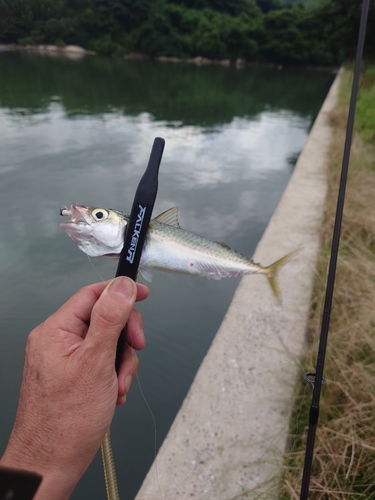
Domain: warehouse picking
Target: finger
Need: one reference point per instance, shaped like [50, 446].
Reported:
[142, 292]
[128, 367]
[110, 314]
[76, 312]
[135, 336]
[81, 304]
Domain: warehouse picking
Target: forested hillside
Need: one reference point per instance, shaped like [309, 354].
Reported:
[305, 3]
[274, 31]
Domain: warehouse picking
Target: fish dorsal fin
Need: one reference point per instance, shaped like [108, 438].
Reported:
[169, 217]
[222, 244]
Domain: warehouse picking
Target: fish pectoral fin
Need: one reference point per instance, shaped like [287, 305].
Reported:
[146, 273]
[169, 217]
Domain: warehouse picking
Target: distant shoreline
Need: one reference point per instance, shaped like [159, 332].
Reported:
[77, 52]
[69, 51]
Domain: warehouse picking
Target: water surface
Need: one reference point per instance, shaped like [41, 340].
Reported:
[81, 132]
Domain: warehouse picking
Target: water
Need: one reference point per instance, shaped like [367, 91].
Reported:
[81, 132]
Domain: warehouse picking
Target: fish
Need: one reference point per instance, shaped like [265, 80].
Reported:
[99, 232]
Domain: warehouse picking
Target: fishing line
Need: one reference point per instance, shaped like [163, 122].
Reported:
[97, 272]
[155, 434]
[318, 375]
[107, 446]
[154, 424]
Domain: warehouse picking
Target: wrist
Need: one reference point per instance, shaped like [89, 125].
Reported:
[56, 484]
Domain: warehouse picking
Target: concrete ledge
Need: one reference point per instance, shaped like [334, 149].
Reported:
[231, 429]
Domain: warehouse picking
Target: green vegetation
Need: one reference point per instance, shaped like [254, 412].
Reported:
[277, 31]
[345, 440]
[305, 3]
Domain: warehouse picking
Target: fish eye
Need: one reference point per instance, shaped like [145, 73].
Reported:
[100, 214]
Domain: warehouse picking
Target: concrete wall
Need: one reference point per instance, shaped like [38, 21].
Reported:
[231, 429]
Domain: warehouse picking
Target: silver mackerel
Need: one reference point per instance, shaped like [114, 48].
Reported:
[99, 232]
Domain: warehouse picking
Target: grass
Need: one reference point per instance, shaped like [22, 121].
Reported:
[344, 456]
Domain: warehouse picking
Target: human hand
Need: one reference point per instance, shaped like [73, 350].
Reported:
[70, 387]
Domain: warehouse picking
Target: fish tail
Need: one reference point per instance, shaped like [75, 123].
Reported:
[272, 271]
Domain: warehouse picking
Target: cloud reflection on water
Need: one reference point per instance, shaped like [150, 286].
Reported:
[88, 157]
[261, 144]
[72, 134]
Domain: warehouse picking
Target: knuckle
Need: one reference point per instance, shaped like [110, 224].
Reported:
[33, 338]
[135, 361]
[109, 316]
[135, 318]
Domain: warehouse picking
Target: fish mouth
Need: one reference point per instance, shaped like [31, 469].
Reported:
[78, 215]
[79, 227]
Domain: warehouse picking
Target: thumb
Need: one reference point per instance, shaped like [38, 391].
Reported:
[110, 313]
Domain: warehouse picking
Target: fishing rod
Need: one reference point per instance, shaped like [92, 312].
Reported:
[130, 256]
[316, 379]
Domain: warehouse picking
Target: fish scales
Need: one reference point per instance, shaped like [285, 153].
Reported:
[185, 252]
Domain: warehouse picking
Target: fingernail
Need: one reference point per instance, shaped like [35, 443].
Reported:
[122, 285]
[127, 383]
[123, 400]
